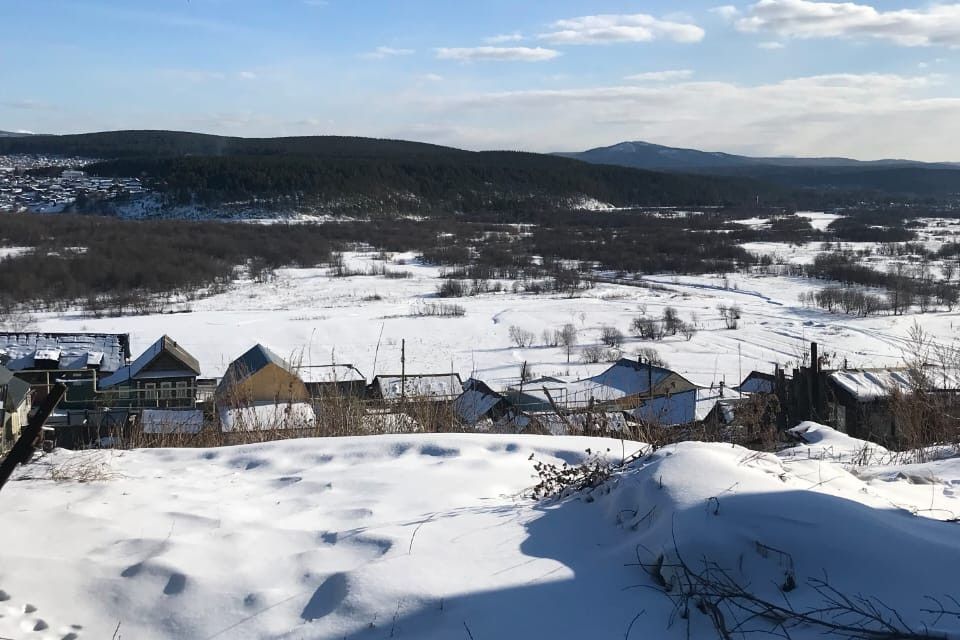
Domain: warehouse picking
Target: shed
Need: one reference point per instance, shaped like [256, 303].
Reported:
[479, 402]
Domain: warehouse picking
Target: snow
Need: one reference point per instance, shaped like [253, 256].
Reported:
[431, 536]
[872, 385]
[819, 220]
[171, 421]
[267, 417]
[314, 319]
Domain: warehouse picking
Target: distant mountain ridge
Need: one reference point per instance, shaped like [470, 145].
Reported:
[13, 134]
[655, 157]
[826, 174]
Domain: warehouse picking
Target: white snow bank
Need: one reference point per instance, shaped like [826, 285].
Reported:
[823, 442]
[267, 416]
[429, 537]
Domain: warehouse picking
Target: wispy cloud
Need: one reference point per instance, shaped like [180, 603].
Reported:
[771, 45]
[386, 52]
[28, 105]
[605, 29]
[833, 114]
[726, 11]
[669, 75]
[936, 24]
[503, 38]
[497, 54]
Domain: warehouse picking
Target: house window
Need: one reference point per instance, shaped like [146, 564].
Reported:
[182, 391]
[166, 390]
[150, 391]
[124, 392]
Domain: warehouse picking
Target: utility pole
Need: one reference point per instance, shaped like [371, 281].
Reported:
[403, 369]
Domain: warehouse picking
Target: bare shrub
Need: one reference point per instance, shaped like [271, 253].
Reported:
[611, 336]
[520, 337]
[647, 328]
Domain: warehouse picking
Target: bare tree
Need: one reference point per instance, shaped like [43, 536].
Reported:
[568, 338]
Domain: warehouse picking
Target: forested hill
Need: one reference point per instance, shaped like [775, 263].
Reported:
[327, 172]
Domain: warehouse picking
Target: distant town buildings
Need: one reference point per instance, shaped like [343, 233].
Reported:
[30, 183]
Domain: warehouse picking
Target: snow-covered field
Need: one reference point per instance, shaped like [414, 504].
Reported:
[317, 319]
[431, 536]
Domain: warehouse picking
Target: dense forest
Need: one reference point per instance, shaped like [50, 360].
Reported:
[332, 172]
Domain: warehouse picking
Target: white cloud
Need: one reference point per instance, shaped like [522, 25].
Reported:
[661, 76]
[386, 52]
[771, 45]
[604, 29]
[247, 75]
[936, 24]
[431, 77]
[836, 114]
[727, 11]
[477, 54]
[504, 38]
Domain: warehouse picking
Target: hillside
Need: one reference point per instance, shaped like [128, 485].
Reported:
[357, 173]
[887, 176]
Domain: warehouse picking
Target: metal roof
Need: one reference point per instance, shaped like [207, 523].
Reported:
[68, 351]
[163, 345]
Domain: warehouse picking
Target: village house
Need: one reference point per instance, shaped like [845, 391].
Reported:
[260, 376]
[261, 391]
[15, 404]
[857, 402]
[163, 376]
[645, 392]
[79, 359]
[435, 387]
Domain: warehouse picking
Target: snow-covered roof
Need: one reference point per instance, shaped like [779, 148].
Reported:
[13, 390]
[20, 351]
[473, 405]
[757, 382]
[135, 369]
[266, 417]
[623, 379]
[871, 384]
[171, 421]
[331, 373]
[445, 385]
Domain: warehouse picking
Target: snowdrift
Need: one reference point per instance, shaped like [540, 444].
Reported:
[431, 536]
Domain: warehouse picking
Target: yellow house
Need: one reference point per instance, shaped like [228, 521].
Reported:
[260, 376]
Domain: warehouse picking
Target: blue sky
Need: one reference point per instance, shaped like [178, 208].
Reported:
[866, 79]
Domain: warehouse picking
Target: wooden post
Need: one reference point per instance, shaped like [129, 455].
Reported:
[403, 369]
[22, 451]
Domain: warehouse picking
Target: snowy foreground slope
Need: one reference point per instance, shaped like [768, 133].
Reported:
[430, 536]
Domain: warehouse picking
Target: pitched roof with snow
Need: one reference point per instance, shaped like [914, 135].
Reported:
[872, 384]
[435, 386]
[135, 369]
[623, 379]
[22, 351]
[475, 402]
